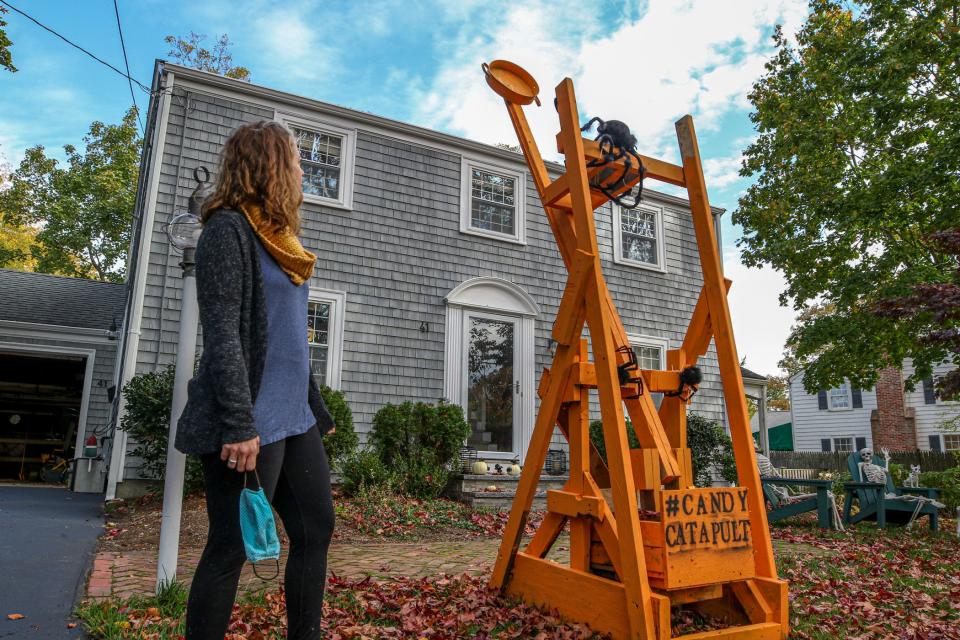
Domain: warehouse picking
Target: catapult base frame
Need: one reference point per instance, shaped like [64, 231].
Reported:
[708, 549]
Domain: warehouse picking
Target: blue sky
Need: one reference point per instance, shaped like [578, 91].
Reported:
[646, 63]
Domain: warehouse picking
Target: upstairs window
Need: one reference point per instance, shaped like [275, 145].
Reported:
[839, 397]
[492, 202]
[638, 237]
[320, 158]
[326, 157]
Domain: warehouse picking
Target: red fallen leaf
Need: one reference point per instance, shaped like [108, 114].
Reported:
[71, 625]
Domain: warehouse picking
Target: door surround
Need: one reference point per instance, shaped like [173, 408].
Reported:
[496, 296]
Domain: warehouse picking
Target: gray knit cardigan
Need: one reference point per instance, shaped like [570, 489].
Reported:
[234, 318]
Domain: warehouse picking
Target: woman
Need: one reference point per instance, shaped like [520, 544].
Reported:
[254, 404]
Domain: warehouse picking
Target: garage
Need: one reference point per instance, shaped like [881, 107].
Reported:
[41, 408]
[58, 351]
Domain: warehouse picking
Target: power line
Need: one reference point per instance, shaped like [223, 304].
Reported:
[126, 62]
[76, 46]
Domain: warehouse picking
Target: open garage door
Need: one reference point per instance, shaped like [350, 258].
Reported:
[41, 407]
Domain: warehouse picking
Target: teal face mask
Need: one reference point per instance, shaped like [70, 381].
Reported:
[257, 526]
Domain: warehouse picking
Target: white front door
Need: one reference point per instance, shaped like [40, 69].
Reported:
[492, 384]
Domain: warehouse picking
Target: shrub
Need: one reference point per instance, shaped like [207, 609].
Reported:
[362, 471]
[343, 442]
[147, 420]
[418, 442]
[421, 477]
[949, 484]
[596, 437]
[710, 448]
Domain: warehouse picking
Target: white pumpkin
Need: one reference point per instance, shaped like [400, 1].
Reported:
[514, 469]
[479, 468]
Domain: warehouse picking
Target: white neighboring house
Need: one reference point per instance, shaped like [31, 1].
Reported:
[848, 419]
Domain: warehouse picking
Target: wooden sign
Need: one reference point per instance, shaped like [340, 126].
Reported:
[715, 518]
[704, 537]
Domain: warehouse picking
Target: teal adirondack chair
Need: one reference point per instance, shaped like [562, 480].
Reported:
[873, 503]
[781, 508]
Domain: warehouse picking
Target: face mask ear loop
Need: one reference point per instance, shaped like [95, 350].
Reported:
[273, 577]
[255, 475]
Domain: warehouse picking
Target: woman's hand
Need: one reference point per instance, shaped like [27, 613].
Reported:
[241, 456]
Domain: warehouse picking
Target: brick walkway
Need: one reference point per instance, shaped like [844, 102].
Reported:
[123, 574]
[134, 572]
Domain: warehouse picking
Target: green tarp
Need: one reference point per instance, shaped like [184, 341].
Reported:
[781, 437]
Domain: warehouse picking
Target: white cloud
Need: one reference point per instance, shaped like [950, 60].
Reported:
[720, 172]
[760, 324]
[699, 57]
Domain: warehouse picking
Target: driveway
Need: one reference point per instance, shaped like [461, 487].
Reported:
[48, 538]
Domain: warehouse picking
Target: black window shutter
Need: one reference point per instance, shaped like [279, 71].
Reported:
[935, 443]
[929, 395]
[857, 399]
[825, 445]
[861, 443]
[822, 402]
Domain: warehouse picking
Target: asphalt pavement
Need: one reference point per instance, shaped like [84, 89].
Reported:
[47, 540]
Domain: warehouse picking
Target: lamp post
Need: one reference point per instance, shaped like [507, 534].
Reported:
[183, 232]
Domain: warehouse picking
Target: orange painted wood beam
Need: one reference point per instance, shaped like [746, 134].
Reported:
[654, 168]
[638, 603]
[722, 327]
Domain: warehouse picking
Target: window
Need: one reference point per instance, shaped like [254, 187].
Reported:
[325, 335]
[951, 442]
[492, 202]
[843, 445]
[839, 397]
[651, 351]
[638, 237]
[326, 157]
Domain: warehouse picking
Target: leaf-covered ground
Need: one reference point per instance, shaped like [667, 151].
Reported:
[873, 584]
[865, 585]
[135, 524]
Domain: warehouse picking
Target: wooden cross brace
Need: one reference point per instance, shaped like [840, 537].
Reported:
[608, 575]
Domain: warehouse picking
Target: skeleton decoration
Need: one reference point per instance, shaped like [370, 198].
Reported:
[767, 470]
[913, 480]
[871, 472]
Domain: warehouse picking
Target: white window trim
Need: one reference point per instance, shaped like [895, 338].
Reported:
[348, 149]
[640, 340]
[833, 443]
[618, 258]
[338, 308]
[468, 163]
[849, 406]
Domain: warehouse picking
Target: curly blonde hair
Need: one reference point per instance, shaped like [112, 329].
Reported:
[258, 167]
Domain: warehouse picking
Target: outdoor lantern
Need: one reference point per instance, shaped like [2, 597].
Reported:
[184, 231]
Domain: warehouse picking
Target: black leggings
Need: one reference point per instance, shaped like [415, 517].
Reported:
[296, 479]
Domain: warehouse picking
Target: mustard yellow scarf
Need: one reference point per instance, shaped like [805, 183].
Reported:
[283, 246]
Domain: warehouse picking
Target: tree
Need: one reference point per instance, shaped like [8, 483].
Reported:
[188, 52]
[82, 212]
[855, 165]
[935, 306]
[6, 59]
[778, 393]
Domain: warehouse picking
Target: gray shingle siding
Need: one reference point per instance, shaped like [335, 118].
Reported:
[399, 251]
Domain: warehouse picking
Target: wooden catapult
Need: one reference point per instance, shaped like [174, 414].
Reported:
[707, 549]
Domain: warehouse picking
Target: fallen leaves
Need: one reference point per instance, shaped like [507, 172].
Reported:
[15, 616]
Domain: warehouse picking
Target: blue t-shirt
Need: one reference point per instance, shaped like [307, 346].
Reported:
[282, 409]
